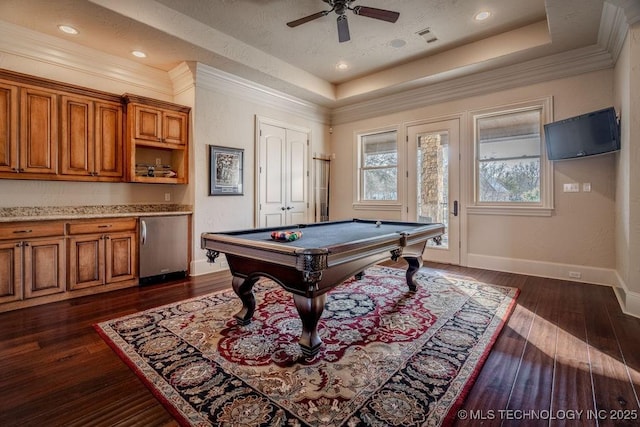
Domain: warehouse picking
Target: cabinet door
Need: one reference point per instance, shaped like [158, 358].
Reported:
[86, 261]
[174, 127]
[44, 267]
[76, 144]
[38, 131]
[121, 257]
[109, 140]
[10, 271]
[8, 128]
[147, 124]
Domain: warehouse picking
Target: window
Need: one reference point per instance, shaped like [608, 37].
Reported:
[378, 166]
[511, 169]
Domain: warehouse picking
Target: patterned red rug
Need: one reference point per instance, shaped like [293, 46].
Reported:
[389, 357]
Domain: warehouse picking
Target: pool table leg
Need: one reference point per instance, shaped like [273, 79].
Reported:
[310, 310]
[415, 262]
[244, 289]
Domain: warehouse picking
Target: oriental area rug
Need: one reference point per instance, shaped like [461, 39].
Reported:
[389, 356]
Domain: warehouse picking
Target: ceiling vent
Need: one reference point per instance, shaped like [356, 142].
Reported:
[427, 35]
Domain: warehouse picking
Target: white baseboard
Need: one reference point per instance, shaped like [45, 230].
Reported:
[629, 301]
[593, 275]
[203, 266]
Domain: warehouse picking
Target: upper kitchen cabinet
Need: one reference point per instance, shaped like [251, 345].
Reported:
[91, 141]
[28, 131]
[157, 141]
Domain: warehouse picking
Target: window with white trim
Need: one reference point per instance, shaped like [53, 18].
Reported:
[378, 166]
[511, 168]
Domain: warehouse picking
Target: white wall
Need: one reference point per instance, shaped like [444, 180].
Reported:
[579, 234]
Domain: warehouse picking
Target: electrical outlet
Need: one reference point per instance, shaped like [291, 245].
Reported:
[167, 197]
[586, 187]
[575, 274]
[158, 161]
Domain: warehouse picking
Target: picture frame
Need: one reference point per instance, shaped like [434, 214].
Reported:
[226, 167]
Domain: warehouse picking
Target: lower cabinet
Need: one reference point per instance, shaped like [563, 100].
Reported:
[46, 261]
[102, 252]
[32, 266]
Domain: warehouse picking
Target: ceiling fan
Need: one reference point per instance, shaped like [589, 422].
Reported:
[341, 7]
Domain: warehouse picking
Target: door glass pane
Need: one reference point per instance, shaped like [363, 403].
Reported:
[433, 181]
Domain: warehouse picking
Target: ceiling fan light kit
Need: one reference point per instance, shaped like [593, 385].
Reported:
[340, 7]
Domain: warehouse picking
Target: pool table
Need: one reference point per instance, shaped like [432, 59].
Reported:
[324, 256]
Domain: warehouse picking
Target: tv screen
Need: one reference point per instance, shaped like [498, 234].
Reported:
[589, 134]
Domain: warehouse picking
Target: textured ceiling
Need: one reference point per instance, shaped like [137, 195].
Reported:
[250, 38]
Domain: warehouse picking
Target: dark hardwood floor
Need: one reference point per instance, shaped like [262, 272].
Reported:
[567, 356]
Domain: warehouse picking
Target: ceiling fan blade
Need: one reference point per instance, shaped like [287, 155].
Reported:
[308, 18]
[372, 12]
[343, 29]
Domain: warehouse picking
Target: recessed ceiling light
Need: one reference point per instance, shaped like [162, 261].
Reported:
[342, 66]
[138, 54]
[481, 16]
[68, 29]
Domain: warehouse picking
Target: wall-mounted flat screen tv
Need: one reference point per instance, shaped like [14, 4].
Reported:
[589, 134]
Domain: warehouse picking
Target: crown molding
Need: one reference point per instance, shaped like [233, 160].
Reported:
[232, 85]
[182, 77]
[614, 26]
[24, 43]
[565, 64]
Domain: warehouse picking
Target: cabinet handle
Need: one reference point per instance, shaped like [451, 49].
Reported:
[143, 232]
[22, 231]
[105, 226]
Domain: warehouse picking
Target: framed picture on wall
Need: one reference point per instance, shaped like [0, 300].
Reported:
[225, 171]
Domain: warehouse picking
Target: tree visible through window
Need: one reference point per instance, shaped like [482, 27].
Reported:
[508, 148]
[379, 166]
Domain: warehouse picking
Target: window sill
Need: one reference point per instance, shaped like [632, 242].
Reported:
[373, 206]
[510, 210]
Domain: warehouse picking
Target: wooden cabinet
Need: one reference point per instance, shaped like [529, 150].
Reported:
[8, 128]
[32, 260]
[157, 141]
[56, 131]
[38, 131]
[28, 131]
[91, 142]
[102, 252]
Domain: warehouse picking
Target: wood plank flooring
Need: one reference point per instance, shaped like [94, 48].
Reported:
[567, 356]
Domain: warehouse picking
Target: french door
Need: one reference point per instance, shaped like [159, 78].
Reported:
[434, 184]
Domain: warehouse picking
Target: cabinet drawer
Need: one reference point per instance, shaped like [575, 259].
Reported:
[107, 225]
[28, 230]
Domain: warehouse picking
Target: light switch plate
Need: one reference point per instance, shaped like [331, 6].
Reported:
[572, 187]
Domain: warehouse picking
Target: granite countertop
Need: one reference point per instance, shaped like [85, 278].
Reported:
[42, 213]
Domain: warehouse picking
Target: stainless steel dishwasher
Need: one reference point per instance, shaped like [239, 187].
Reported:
[163, 248]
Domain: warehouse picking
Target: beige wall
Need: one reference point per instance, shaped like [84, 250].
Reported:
[627, 96]
[222, 117]
[581, 230]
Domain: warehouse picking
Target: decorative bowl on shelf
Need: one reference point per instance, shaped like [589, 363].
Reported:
[286, 236]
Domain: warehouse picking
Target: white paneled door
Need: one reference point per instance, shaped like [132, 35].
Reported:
[283, 176]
